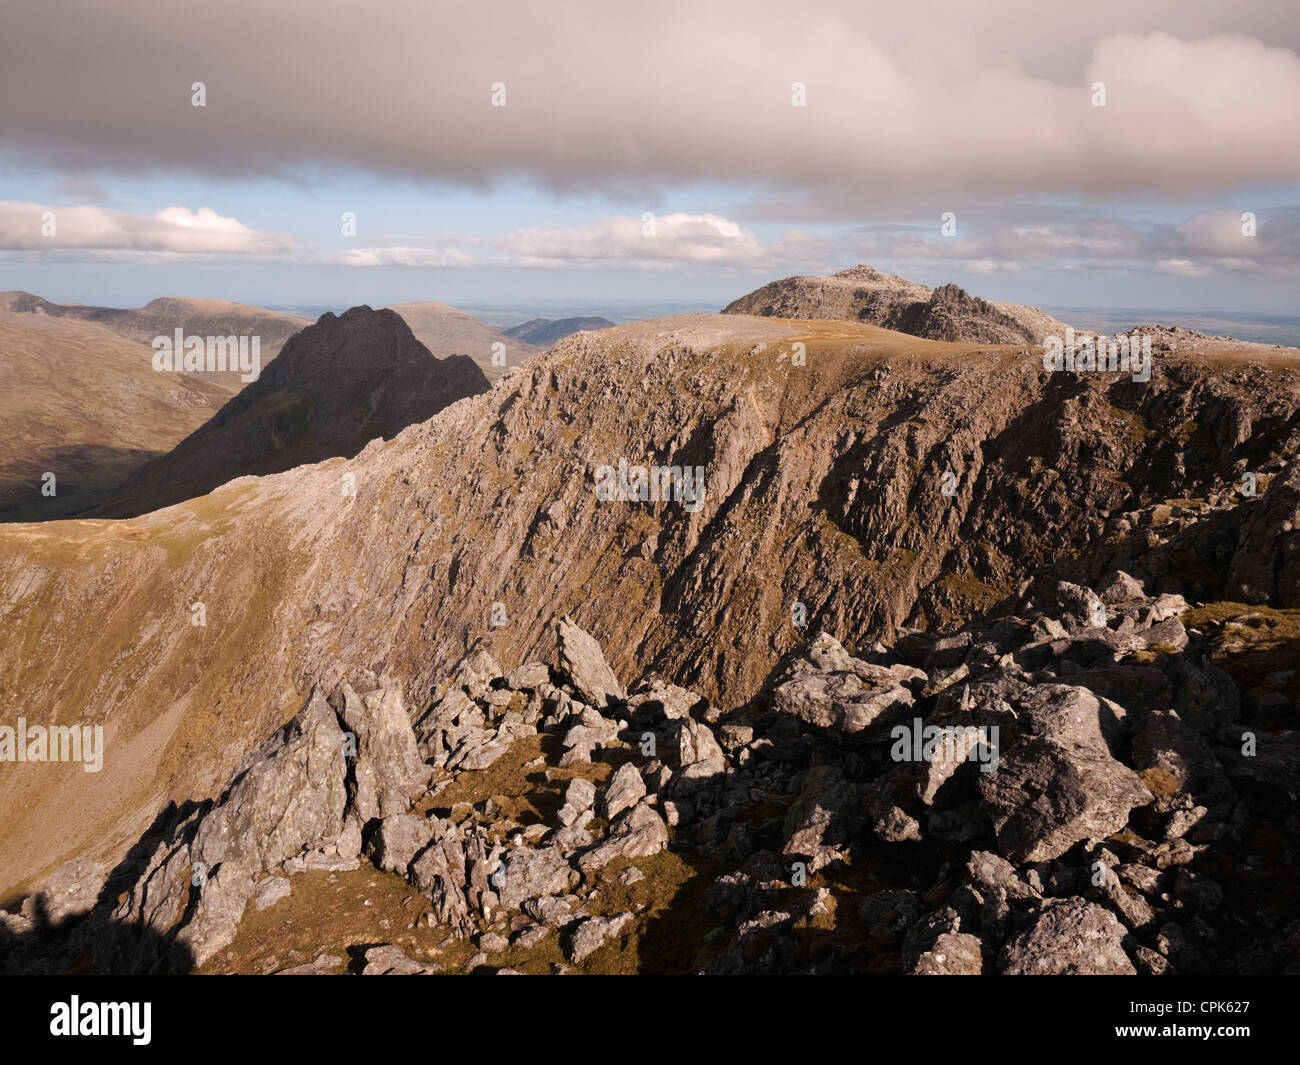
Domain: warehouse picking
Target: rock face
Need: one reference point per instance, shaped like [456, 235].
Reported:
[294, 803]
[1266, 566]
[336, 386]
[862, 294]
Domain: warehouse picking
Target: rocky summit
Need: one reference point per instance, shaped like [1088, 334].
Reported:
[864, 294]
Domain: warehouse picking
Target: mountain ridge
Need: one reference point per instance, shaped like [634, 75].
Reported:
[488, 510]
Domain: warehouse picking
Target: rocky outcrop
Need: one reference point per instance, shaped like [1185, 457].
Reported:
[1081, 813]
[863, 294]
[1266, 565]
[299, 802]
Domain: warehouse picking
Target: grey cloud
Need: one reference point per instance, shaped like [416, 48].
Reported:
[926, 102]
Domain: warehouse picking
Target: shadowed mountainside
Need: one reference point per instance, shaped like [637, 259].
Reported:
[87, 406]
[336, 386]
[546, 331]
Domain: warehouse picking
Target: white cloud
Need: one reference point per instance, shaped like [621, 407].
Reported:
[1182, 268]
[662, 241]
[668, 241]
[402, 256]
[173, 231]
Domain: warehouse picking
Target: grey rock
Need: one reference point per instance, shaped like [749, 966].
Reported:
[531, 676]
[583, 665]
[1057, 783]
[529, 873]
[953, 954]
[578, 800]
[387, 772]
[440, 874]
[551, 911]
[594, 933]
[638, 833]
[291, 794]
[1069, 937]
[396, 841]
[270, 891]
[624, 790]
[390, 960]
[827, 687]
[71, 891]
[321, 965]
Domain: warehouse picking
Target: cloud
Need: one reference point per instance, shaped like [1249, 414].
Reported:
[928, 104]
[172, 232]
[1202, 244]
[652, 242]
[1182, 268]
[402, 256]
[80, 190]
[655, 242]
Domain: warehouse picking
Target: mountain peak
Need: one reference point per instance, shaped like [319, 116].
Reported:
[864, 294]
[336, 385]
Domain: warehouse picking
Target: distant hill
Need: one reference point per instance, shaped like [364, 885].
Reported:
[546, 331]
[336, 386]
[448, 331]
[162, 317]
[863, 294]
[86, 405]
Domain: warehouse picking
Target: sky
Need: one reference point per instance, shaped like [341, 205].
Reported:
[1141, 153]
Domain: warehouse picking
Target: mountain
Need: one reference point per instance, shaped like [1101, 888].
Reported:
[87, 406]
[162, 317]
[546, 331]
[448, 331]
[884, 489]
[862, 294]
[336, 386]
